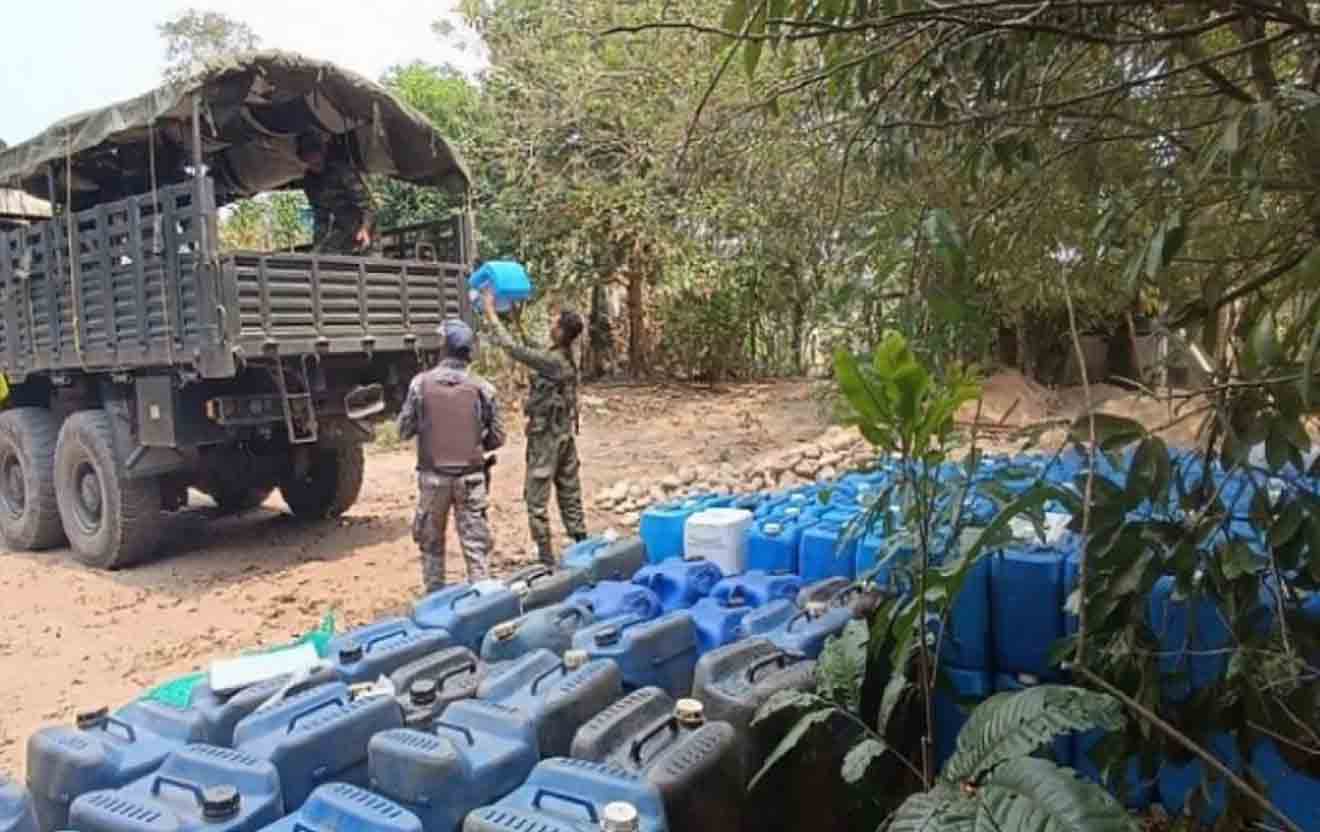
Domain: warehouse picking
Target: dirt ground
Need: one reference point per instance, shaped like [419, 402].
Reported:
[73, 639]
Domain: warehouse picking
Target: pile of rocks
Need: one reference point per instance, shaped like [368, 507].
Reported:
[836, 452]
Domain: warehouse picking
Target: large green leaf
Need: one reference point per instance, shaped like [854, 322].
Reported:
[1012, 725]
[842, 666]
[1033, 795]
[942, 809]
[791, 740]
[860, 758]
[856, 389]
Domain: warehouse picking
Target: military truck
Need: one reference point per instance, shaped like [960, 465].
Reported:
[144, 360]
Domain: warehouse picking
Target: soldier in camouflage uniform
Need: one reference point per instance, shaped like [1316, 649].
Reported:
[342, 209]
[552, 421]
[456, 420]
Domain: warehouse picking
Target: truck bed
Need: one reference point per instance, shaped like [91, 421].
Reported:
[149, 289]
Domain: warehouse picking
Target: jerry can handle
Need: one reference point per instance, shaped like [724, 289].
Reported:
[779, 658]
[129, 731]
[788, 628]
[467, 667]
[299, 826]
[306, 712]
[581, 803]
[386, 636]
[182, 785]
[461, 596]
[457, 729]
[570, 611]
[536, 573]
[536, 683]
[638, 745]
[845, 594]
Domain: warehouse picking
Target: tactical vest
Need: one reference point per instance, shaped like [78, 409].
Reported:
[450, 440]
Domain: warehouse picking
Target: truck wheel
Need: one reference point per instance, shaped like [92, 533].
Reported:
[238, 499]
[111, 521]
[29, 512]
[331, 486]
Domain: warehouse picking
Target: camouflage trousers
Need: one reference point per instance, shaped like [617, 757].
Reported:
[552, 461]
[467, 497]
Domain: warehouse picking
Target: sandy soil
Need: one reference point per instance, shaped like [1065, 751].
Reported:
[73, 639]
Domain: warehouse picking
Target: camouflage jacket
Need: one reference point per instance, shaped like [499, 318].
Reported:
[340, 200]
[412, 420]
[552, 403]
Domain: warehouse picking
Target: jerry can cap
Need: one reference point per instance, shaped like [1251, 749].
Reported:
[86, 720]
[689, 711]
[220, 802]
[573, 659]
[351, 653]
[619, 817]
[423, 691]
[792, 511]
[505, 630]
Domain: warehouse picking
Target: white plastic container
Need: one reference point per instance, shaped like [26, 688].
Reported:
[718, 535]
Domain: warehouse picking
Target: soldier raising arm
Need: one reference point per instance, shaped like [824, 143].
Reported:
[552, 421]
[455, 418]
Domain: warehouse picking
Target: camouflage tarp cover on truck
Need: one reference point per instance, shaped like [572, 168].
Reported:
[254, 106]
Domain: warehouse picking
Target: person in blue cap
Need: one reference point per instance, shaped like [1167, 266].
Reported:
[455, 418]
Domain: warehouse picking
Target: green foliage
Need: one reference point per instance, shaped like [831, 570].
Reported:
[992, 782]
[269, 222]
[453, 104]
[195, 37]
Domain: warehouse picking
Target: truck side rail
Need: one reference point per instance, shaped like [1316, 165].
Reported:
[137, 293]
[293, 303]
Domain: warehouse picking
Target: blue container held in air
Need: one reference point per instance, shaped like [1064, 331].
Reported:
[679, 583]
[339, 807]
[506, 278]
[200, 787]
[17, 813]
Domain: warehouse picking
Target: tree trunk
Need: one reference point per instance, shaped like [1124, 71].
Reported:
[636, 324]
[600, 338]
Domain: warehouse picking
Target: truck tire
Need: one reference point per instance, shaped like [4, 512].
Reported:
[29, 512]
[331, 486]
[111, 521]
